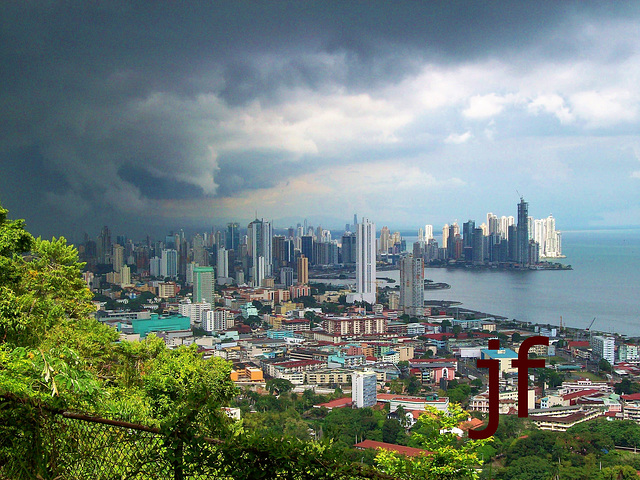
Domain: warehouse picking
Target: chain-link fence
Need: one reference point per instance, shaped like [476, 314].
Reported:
[52, 445]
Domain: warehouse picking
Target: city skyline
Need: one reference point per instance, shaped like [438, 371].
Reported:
[154, 117]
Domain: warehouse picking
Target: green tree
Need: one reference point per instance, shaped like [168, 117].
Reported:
[413, 385]
[449, 460]
[391, 430]
[626, 386]
[279, 386]
[605, 366]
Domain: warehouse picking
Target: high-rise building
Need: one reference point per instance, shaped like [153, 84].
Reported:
[467, 233]
[222, 265]
[203, 285]
[303, 269]
[385, 240]
[522, 233]
[125, 276]
[307, 247]
[478, 245]
[154, 266]
[428, 232]
[349, 248]
[169, 263]
[232, 238]
[365, 263]
[445, 236]
[412, 285]
[286, 276]
[603, 347]
[117, 257]
[364, 389]
[103, 246]
[259, 248]
[200, 255]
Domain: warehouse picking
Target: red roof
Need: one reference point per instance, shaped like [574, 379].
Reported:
[401, 449]
[578, 344]
[433, 360]
[582, 393]
[632, 396]
[337, 403]
[298, 363]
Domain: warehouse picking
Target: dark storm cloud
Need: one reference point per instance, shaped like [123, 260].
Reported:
[112, 104]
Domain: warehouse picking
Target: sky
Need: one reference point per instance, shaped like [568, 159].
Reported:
[154, 116]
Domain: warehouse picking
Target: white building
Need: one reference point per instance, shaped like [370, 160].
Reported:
[603, 347]
[125, 276]
[364, 389]
[218, 320]
[169, 263]
[365, 263]
[428, 232]
[195, 311]
[154, 267]
[223, 263]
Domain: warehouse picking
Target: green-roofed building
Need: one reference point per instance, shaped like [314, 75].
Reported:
[156, 323]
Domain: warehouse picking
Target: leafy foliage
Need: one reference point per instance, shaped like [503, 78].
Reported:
[450, 458]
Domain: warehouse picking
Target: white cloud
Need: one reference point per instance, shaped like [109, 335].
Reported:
[457, 139]
[635, 174]
[553, 104]
[605, 108]
[487, 106]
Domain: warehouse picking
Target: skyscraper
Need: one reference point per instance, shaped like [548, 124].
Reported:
[303, 269]
[232, 238]
[223, 263]
[365, 263]
[349, 248]
[169, 263]
[259, 248]
[412, 285]
[307, 247]
[117, 257]
[203, 285]
[428, 232]
[522, 233]
[103, 246]
[385, 240]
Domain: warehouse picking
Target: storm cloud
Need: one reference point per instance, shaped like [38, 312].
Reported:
[155, 115]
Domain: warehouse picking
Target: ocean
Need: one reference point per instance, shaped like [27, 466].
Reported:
[604, 283]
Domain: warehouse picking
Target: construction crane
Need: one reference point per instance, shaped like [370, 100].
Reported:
[588, 329]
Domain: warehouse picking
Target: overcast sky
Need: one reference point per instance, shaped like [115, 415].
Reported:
[152, 116]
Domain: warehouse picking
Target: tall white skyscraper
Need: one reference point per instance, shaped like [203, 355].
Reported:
[428, 232]
[223, 263]
[445, 235]
[365, 263]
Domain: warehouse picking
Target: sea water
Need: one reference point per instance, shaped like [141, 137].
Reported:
[604, 284]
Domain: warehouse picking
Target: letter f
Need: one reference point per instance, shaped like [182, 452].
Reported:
[494, 382]
[523, 364]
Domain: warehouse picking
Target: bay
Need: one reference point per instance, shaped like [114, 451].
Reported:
[604, 283]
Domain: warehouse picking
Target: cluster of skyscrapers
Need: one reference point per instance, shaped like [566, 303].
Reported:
[257, 256]
[498, 241]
